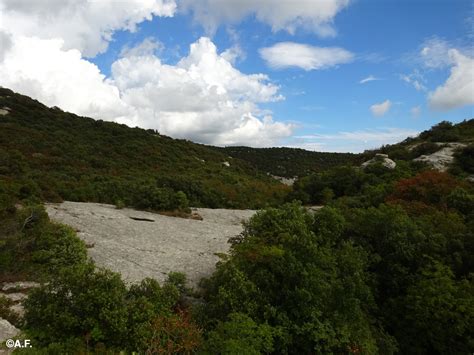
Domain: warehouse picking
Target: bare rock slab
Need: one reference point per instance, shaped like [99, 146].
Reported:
[151, 245]
[443, 158]
[19, 285]
[15, 296]
[7, 330]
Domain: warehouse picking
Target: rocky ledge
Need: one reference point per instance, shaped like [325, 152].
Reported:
[140, 244]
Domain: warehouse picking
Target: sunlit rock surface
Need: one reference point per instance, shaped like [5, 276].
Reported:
[442, 159]
[141, 244]
[381, 158]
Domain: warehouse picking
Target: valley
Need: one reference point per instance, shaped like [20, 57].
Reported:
[137, 240]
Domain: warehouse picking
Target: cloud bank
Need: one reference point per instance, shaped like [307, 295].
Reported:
[458, 90]
[84, 25]
[202, 98]
[316, 16]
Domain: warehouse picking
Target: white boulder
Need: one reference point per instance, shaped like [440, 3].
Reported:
[380, 158]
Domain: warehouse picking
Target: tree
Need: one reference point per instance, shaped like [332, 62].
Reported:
[240, 334]
[430, 187]
[439, 313]
[79, 303]
[291, 271]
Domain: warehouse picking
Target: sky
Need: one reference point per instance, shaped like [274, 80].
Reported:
[324, 75]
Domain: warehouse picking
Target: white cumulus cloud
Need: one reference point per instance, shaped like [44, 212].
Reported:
[202, 98]
[313, 15]
[290, 54]
[458, 90]
[45, 71]
[381, 108]
[84, 25]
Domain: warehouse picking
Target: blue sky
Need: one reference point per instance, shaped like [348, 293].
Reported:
[134, 65]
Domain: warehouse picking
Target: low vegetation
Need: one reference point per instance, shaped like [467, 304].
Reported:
[54, 155]
[289, 162]
[362, 275]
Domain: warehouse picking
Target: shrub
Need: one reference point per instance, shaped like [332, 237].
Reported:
[79, 303]
[425, 149]
[465, 159]
[429, 186]
[174, 334]
[239, 335]
[442, 132]
[119, 204]
[6, 312]
[461, 200]
[182, 201]
[439, 314]
[309, 286]
[35, 246]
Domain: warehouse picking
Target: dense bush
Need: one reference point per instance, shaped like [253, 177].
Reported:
[79, 303]
[239, 335]
[32, 245]
[296, 275]
[382, 271]
[80, 308]
[91, 307]
[426, 148]
[438, 313]
[348, 181]
[430, 187]
[289, 162]
[442, 132]
[465, 159]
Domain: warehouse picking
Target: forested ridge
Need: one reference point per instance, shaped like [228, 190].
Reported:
[432, 140]
[289, 162]
[295, 162]
[385, 267]
[59, 155]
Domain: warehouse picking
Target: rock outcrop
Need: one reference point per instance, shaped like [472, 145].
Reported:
[7, 330]
[4, 111]
[138, 248]
[442, 159]
[381, 158]
[17, 292]
[284, 180]
[19, 285]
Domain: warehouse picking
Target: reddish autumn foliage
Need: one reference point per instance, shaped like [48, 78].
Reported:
[429, 187]
[175, 334]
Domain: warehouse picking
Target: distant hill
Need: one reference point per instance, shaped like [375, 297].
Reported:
[451, 144]
[289, 162]
[55, 155]
[294, 162]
